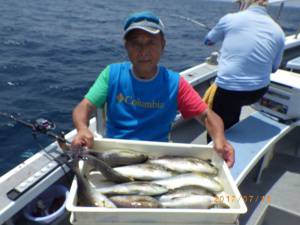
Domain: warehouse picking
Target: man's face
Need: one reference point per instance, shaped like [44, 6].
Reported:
[144, 50]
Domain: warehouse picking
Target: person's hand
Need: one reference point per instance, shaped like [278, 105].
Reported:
[83, 138]
[226, 151]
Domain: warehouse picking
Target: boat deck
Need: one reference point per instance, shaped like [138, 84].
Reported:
[279, 188]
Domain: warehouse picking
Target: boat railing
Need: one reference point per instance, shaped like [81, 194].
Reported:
[100, 121]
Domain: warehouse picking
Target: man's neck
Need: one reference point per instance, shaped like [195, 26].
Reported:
[145, 75]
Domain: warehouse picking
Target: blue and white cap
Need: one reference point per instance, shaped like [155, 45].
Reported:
[146, 21]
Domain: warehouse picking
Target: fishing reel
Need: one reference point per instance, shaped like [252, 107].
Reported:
[42, 125]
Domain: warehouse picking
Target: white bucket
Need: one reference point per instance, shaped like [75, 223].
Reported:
[54, 200]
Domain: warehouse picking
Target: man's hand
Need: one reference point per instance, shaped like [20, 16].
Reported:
[84, 138]
[226, 151]
[81, 118]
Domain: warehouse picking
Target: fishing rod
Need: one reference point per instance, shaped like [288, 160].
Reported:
[40, 125]
[279, 11]
[203, 25]
[45, 127]
[69, 157]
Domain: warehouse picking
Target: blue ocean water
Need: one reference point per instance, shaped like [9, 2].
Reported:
[51, 52]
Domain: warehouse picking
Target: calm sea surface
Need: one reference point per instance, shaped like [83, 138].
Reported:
[52, 51]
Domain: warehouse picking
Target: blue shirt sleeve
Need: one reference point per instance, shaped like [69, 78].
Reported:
[218, 32]
[278, 57]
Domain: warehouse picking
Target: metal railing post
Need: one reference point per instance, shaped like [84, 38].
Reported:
[297, 33]
[100, 121]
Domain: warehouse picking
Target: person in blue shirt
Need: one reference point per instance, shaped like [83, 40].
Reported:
[142, 97]
[252, 49]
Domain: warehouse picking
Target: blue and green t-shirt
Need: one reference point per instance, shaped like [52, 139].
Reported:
[135, 107]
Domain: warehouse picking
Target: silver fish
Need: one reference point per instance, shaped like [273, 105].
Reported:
[186, 164]
[107, 171]
[184, 192]
[95, 162]
[145, 171]
[193, 202]
[89, 195]
[135, 201]
[121, 157]
[194, 179]
[134, 188]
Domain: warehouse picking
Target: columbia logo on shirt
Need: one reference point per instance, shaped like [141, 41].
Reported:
[129, 100]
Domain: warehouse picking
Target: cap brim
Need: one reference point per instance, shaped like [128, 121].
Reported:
[150, 30]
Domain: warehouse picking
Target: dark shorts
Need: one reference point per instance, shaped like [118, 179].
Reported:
[228, 104]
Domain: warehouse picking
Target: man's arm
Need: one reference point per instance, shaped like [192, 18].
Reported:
[191, 105]
[95, 97]
[81, 118]
[217, 33]
[215, 128]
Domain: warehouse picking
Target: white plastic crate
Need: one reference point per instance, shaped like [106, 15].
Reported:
[160, 216]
